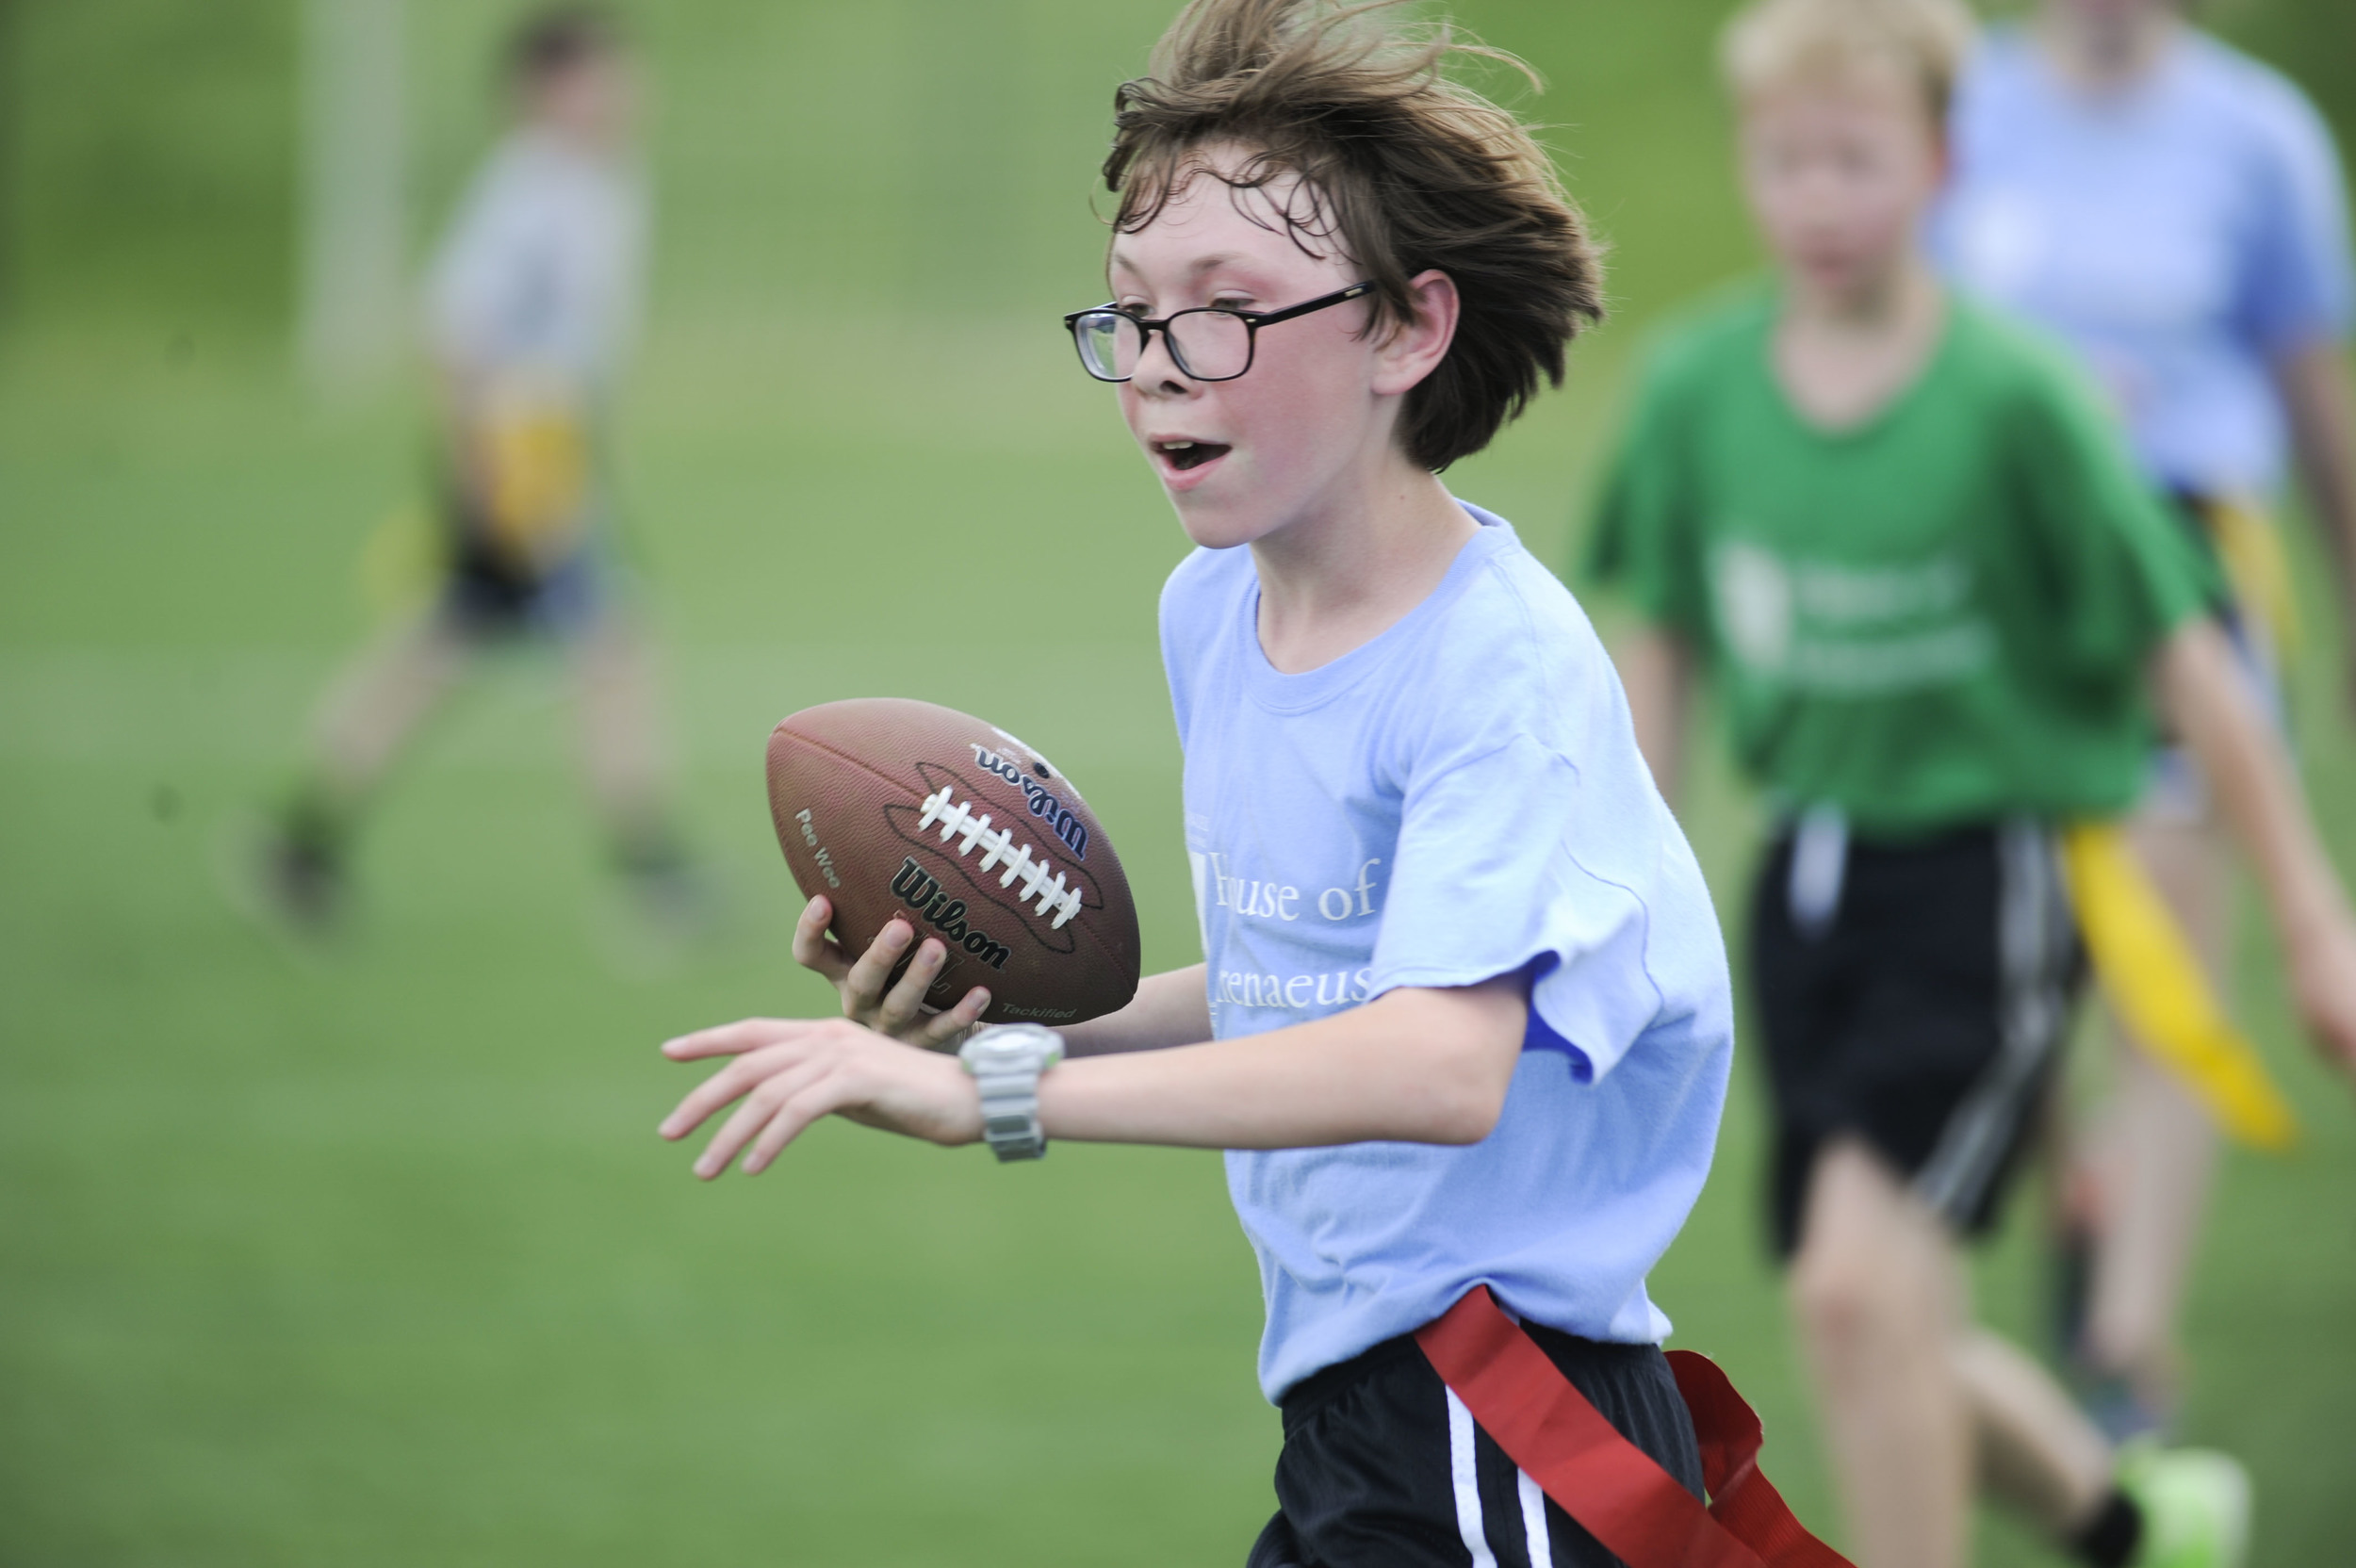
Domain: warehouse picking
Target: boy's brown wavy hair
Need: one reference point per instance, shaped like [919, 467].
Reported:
[1400, 167]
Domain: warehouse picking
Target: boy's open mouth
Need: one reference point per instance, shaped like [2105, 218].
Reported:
[1190, 454]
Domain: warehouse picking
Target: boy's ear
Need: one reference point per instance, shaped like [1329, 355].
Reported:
[1414, 346]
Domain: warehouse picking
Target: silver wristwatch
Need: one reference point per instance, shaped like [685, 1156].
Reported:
[1006, 1061]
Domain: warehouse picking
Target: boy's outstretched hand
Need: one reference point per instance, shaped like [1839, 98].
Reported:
[2323, 979]
[884, 1063]
[791, 1071]
[864, 983]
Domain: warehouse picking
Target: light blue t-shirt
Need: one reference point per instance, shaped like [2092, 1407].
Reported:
[1459, 798]
[2182, 234]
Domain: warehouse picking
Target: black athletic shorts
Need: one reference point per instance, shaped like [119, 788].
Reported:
[1383, 1467]
[486, 593]
[1917, 996]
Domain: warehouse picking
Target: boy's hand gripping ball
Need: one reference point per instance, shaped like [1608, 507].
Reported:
[888, 806]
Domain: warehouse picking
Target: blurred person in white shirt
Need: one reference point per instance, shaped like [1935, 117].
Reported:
[530, 306]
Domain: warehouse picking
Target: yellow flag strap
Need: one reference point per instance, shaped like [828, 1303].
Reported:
[538, 460]
[2250, 548]
[2148, 968]
[534, 438]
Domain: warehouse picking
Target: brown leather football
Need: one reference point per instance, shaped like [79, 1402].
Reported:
[895, 808]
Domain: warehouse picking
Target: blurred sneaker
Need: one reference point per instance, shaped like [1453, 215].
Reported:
[2072, 1265]
[2121, 1410]
[675, 903]
[658, 921]
[303, 880]
[2195, 1503]
[295, 865]
[2076, 1224]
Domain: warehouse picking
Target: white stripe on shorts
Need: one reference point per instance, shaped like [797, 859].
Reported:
[1469, 1522]
[1465, 1475]
[1534, 1521]
[2034, 938]
[1467, 1481]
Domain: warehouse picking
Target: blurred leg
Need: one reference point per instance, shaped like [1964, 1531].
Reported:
[620, 732]
[2037, 1450]
[363, 724]
[2159, 1148]
[376, 704]
[1873, 1289]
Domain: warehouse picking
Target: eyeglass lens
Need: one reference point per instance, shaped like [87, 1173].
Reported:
[1210, 345]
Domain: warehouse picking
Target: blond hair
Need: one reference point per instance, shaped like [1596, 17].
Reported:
[1779, 42]
[1367, 149]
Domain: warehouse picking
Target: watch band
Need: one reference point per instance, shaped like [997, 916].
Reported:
[1006, 1061]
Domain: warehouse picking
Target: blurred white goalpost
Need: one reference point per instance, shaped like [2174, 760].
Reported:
[352, 304]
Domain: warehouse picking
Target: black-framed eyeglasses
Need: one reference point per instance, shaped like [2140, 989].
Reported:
[1212, 343]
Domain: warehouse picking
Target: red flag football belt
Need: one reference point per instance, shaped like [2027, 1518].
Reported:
[1613, 1488]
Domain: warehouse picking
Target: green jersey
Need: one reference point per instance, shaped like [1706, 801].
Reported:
[1938, 616]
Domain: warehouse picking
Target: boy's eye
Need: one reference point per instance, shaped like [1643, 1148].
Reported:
[1238, 301]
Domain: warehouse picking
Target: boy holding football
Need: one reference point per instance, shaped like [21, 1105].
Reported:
[1333, 273]
[1931, 592]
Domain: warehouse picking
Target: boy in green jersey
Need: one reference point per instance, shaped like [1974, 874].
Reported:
[1935, 601]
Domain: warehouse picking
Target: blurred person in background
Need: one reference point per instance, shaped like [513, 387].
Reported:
[1942, 610]
[2175, 211]
[530, 304]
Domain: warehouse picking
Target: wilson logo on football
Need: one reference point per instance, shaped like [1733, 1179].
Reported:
[1040, 879]
[1045, 806]
[925, 896]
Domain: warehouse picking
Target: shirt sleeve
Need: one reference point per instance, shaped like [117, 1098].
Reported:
[1516, 860]
[1641, 540]
[2122, 568]
[2298, 287]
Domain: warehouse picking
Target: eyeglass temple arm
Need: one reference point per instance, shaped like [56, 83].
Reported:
[1257, 318]
[1269, 318]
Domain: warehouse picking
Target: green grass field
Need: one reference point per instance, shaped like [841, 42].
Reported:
[370, 1255]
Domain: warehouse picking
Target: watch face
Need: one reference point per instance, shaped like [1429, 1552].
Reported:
[1014, 1045]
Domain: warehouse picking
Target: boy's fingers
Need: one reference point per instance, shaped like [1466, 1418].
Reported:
[688, 1113]
[943, 1028]
[792, 1121]
[726, 1039]
[733, 1134]
[731, 1081]
[812, 948]
[2336, 1031]
[863, 983]
[760, 1108]
[2326, 979]
[905, 1003]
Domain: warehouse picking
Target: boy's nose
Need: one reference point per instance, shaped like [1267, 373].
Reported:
[1157, 370]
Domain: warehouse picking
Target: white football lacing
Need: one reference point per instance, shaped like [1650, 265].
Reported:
[1039, 876]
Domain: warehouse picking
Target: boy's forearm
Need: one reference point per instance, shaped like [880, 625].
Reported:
[2209, 703]
[1656, 671]
[1171, 1008]
[1414, 1066]
[2315, 384]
